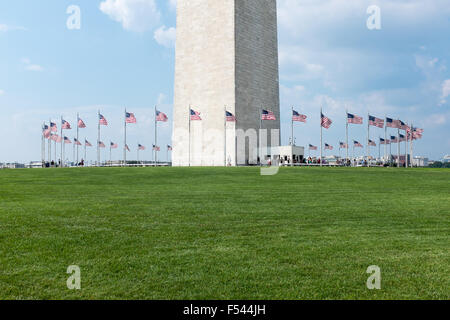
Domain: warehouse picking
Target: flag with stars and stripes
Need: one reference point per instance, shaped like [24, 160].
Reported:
[268, 115]
[376, 122]
[298, 117]
[325, 121]
[354, 119]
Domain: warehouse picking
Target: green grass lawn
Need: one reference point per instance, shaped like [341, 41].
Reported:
[224, 233]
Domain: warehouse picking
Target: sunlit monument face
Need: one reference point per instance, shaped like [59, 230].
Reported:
[226, 59]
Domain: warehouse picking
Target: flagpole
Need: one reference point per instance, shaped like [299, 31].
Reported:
[379, 147]
[406, 148]
[385, 137]
[98, 140]
[62, 141]
[78, 127]
[292, 137]
[321, 139]
[225, 136]
[412, 146]
[42, 145]
[346, 130]
[85, 160]
[189, 118]
[138, 154]
[292, 127]
[50, 142]
[73, 151]
[156, 138]
[125, 139]
[368, 138]
[260, 135]
[398, 148]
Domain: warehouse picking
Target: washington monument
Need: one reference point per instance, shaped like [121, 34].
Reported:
[226, 59]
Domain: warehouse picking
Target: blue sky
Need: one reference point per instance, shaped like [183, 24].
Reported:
[123, 56]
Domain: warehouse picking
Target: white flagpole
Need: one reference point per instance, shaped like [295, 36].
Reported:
[85, 160]
[50, 142]
[398, 148]
[292, 137]
[379, 147]
[225, 136]
[189, 117]
[78, 139]
[346, 130]
[156, 138]
[406, 148]
[385, 138]
[42, 145]
[260, 136]
[321, 139]
[125, 139]
[98, 140]
[368, 142]
[62, 142]
[412, 146]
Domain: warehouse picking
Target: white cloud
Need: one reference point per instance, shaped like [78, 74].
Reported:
[32, 67]
[173, 4]
[445, 91]
[5, 28]
[165, 36]
[134, 15]
[2, 92]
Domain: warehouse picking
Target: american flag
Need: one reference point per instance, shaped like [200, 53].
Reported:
[372, 143]
[394, 139]
[417, 133]
[66, 125]
[169, 148]
[127, 148]
[161, 117]
[268, 115]
[230, 117]
[195, 116]
[298, 117]
[81, 124]
[53, 127]
[354, 119]
[130, 118]
[87, 143]
[403, 126]
[311, 147]
[114, 145]
[376, 122]
[46, 131]
[156, 148]
[343, 145]
[103, 120]
[391, 123]
[357, 144]
[325, 121]
[383, 141]
[328, 147]
[101, 144]
[402, 138]
[67, 140]
[141, 147]
[77, 143]
[56, 138]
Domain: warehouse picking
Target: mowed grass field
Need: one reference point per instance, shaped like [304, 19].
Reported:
[224, 233]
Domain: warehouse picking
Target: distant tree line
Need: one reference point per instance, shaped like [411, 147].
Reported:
[438, 164]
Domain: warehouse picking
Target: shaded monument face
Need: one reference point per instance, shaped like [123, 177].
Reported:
[226, 59]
